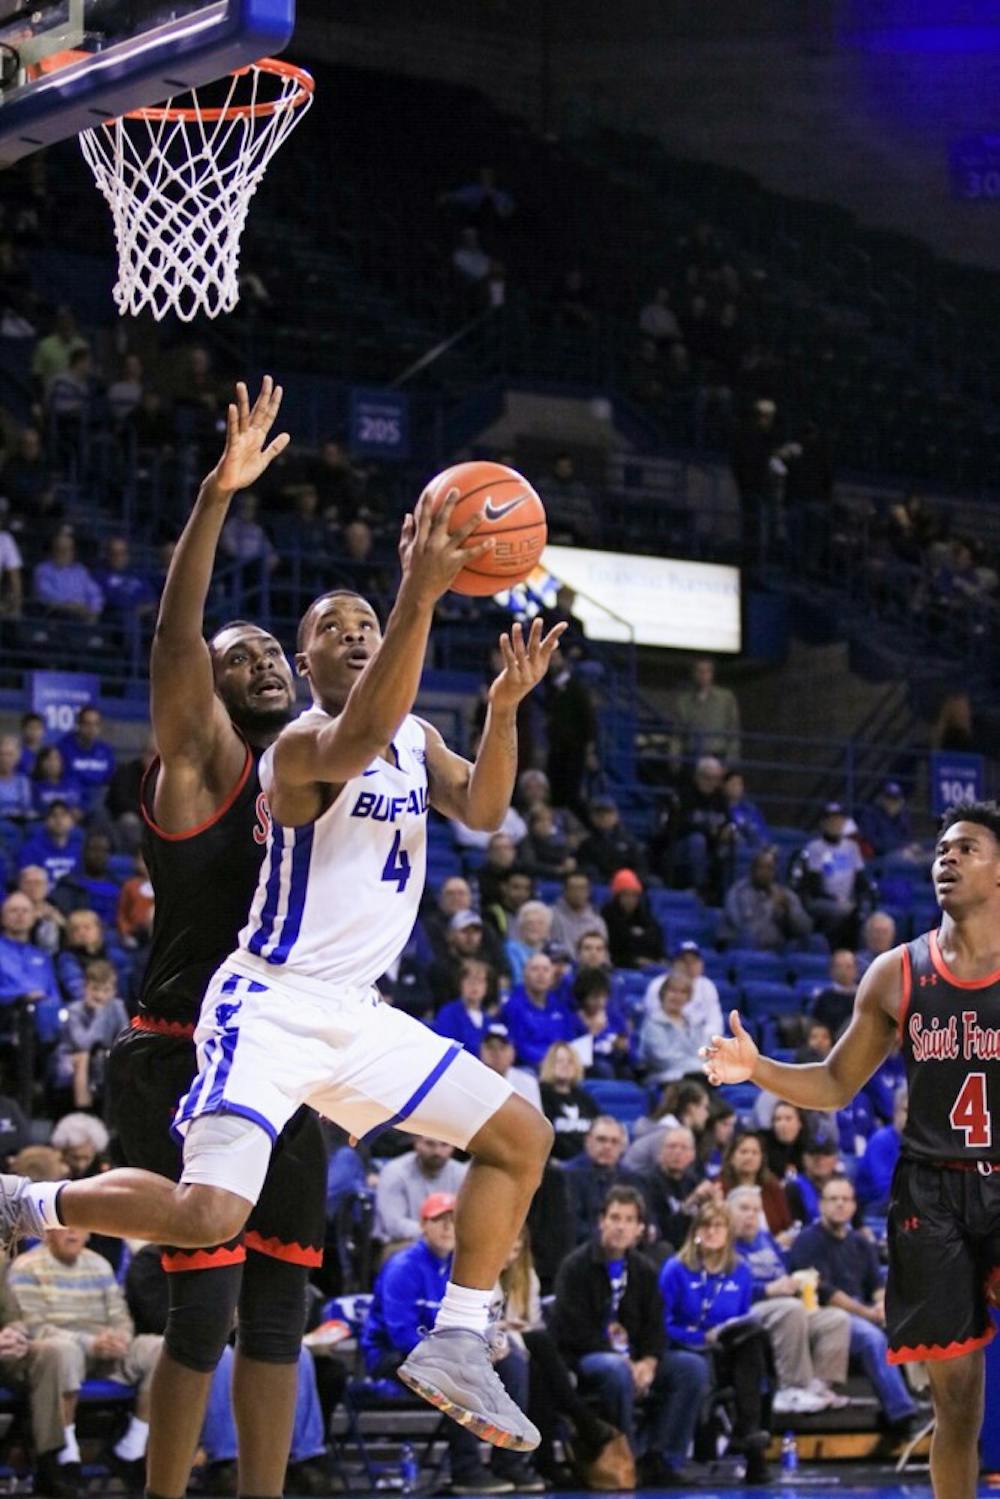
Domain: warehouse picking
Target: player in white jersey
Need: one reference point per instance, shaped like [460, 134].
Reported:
[292, 1016]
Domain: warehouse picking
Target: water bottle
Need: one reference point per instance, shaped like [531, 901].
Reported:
[409, 1469]
[789, 1456]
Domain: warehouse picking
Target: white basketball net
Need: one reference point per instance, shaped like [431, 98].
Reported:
[179, 179]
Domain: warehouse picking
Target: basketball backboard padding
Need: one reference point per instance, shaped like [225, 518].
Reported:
[183, 44]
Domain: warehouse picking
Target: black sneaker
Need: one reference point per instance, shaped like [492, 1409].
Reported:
[310, 1477]
[57, 1480]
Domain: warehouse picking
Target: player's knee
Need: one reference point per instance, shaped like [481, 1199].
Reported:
[272, 1317]
[200, 1316]
[210, 1215]
[518, 1139]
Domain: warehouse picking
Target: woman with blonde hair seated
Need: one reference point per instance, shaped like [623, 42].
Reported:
[566, 1104]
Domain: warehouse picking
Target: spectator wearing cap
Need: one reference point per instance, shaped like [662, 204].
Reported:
[634, 936]
[566, 1103]
[496, 1051]
[467, 938]
[834, 1004]
[610, 846]
[884, 824]
[406, 1299]
[829, 874]
[706, 717]
[760, 912]
[533, 1015]
[703, 1012]
[532, 928]
[405, 1184]
[464, 1019]
[573, 914]
[454, 895]
[668, 1044]
[562, 970]
[820, 1160]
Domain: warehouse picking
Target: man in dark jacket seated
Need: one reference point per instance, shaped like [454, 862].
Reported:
[608, 1322]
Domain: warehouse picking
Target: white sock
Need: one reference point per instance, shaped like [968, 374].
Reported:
[70, 1451]
[465, 1307]
[133, 1444]
[40, 1198]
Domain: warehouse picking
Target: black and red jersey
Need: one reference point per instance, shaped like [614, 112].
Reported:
[950, 1036]
[203, 882]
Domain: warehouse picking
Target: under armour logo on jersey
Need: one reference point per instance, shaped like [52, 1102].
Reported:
[927, 978]
[910, 1225]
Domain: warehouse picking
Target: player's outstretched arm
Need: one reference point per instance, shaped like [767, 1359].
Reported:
[431, 558]
[832, 1083]
[187, 716]
[478, 795]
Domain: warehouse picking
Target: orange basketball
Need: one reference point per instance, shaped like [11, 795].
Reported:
[512, 513]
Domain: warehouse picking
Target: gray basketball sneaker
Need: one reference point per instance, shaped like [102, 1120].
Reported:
[451, 1368]
[19, 1215]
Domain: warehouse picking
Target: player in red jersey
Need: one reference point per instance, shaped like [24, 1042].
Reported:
[215, 706]
[939, 998]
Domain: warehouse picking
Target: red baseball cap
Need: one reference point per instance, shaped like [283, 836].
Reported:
[625, 879]
[436, 1205]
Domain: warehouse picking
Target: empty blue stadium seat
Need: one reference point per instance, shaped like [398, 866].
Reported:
[766, 967]
[622, 1099]
[673, 903]
[742, 1096]
[808, 965]
[771, 999]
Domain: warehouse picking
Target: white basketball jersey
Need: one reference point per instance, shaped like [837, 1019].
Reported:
[337, 898]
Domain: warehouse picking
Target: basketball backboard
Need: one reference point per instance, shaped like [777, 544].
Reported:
[69, 64]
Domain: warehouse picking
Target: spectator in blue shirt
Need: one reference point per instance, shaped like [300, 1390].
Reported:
[16, 804]
[56, 846]
[464, 1019]
[884, 824]
[90, 886]
[532, 926]
[407, 1296]
[744, 815]
[26, 972]
[89, 761]
[32, 739]
[534, 1017]
[707, 1293]
[879, 1160]
[126, 592]
[851, 1277]
[50, 782]
[63, 586]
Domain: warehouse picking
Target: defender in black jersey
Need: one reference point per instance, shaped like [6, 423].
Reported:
[939, 999]
[215, 708]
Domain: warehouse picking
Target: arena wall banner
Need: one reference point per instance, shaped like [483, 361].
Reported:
[59, 695]
[955, 777]
[687, 606]
[380, 423]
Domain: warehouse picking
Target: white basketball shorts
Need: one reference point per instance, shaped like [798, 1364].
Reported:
[267, 1046]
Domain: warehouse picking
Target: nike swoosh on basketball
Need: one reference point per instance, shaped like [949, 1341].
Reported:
[497, 512]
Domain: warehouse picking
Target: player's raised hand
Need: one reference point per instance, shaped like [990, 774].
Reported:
[247, 452]
[730, 1059]
[430, 555]
[525, 662]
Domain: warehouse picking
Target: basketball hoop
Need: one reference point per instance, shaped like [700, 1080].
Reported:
[178, 179]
